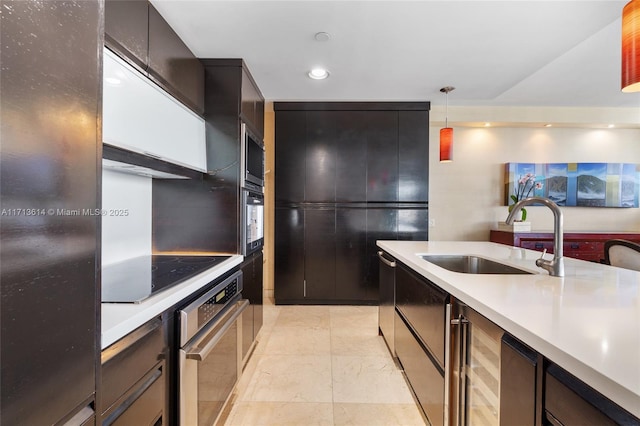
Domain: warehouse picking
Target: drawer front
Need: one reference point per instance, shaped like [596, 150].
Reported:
[148, 407]
[423, 306]
[133, 359]
[568, 401]
[584, 250]
[538, 245]
[426, 380]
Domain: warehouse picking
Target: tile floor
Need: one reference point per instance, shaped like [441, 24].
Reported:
[322, 365]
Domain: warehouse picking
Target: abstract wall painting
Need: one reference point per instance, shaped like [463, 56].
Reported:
[575, 184]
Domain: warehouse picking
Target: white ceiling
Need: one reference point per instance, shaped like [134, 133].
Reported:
[496, 53]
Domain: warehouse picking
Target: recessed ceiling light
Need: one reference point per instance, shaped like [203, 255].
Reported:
[487, 124]
[547, 125]
[611, 126]
[322, 36]
[318, 73]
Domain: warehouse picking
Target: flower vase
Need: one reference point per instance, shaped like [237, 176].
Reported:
[518, 225]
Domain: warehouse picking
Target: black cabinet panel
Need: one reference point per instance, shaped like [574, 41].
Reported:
[413, 224]
[382, 156]
[423, 306]
[518, 369]
[290, 155]
[257, 294]
[252, 278]
[289, 254]
[382, 224]
[413, 156]
[351, 250]
[172, 63]
[427, 381]
[252, 290]
[252, 104]
[49, 160]
[320, 254]
[387, 300]
[320, 158]
[351, 156]
[571, 402]
[195, 216]
[126, 30]
[347, 157]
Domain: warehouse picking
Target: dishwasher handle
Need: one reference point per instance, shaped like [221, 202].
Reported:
[200, 353]
[390, 263]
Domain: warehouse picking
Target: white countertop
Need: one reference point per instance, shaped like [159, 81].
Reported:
[119, 319]
[587, 322]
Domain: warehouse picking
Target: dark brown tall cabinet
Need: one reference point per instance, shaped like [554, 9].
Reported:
[347, 174]
[50, 82]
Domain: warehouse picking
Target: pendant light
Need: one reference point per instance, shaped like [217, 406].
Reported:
[446, 133]
[631, 47]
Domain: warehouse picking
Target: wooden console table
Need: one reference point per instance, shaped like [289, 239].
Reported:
[579, 245]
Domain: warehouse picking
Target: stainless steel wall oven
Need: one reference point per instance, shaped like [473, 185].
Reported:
[252, 221]
[210, 355]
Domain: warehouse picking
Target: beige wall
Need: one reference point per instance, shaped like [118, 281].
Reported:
[269, 194]
[466, 196]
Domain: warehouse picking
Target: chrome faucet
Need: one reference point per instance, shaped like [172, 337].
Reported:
[555, 266]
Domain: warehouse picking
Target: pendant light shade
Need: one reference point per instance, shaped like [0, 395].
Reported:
[631, 47]
[446, 144]
[446, 133]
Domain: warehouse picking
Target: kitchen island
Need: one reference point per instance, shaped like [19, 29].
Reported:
[587, 322]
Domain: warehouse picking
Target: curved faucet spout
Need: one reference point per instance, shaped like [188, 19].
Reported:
[555, 266]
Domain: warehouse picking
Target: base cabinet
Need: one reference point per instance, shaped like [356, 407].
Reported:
[134, 383]
[386, 309]
[579, 245]
[518, 383]
[427, 381]
[570, 402]
[420, 324]
[466, 370]
[252, 269]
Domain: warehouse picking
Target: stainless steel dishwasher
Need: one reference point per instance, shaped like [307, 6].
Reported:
[210, 357]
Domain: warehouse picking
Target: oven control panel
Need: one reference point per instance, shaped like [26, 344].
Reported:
[214, 304]
[197, 314]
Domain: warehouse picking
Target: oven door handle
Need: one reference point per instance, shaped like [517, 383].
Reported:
[199, 354]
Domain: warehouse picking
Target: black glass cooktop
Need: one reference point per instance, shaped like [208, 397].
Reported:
[134, 280]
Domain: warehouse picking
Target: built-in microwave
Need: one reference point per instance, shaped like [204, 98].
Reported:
[252, 157]
[253, 221]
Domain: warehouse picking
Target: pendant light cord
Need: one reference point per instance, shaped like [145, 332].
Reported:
[446, 91]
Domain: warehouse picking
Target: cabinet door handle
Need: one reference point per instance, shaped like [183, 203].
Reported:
[447, 361]
[391, 263]
[461, 351]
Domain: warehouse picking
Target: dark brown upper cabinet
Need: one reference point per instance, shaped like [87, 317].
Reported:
[137, 32]
[232, 98]
[126, 30]
[173, 65]
[333, 152]
[252, 107]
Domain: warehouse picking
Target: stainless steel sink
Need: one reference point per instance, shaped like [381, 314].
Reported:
[468, 264]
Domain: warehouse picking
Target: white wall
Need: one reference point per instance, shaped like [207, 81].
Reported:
[466, 196]
[126, 220]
